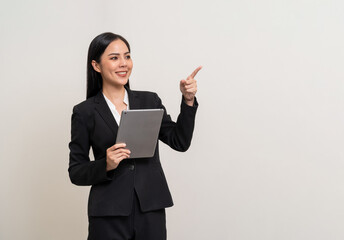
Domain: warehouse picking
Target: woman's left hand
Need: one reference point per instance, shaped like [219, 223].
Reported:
[188, 87]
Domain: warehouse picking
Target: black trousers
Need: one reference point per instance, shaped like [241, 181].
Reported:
[137, 226]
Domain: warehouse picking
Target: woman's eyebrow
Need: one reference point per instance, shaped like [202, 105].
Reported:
[118, 53]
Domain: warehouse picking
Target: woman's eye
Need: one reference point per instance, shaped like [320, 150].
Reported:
[114, 58]
[127, 57]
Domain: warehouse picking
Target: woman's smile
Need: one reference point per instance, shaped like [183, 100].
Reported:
[122, 74]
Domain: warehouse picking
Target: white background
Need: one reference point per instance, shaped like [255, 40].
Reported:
[266, 161]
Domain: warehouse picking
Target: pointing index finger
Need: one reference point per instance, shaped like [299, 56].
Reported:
[193, 74]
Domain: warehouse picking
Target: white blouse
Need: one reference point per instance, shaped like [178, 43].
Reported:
[113, 108]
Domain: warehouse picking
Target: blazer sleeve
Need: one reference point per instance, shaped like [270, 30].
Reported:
[83, 171]
[178, 135]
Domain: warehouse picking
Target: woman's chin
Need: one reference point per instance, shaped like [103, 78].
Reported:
[118, 82]
[124, 82]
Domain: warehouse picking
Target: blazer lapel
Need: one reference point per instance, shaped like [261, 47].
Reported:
[104, 111]
[134, 102]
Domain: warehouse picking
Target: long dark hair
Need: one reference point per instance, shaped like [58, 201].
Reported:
[95, 51]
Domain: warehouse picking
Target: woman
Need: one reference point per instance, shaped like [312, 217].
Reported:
[128, 196]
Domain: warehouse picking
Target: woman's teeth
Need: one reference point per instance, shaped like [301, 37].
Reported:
[122, 73]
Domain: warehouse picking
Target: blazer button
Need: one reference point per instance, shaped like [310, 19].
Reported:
[131, 167]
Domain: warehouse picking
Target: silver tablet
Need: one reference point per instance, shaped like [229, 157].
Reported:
[139, 130]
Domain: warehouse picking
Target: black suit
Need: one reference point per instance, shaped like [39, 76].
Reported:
[93, 125]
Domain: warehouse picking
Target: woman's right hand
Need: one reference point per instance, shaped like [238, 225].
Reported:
[115, 154]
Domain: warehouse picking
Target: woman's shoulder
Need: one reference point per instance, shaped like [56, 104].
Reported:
[86, 105]
[145, 94]
[146, 98]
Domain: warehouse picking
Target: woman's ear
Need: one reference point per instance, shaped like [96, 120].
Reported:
[95, 66]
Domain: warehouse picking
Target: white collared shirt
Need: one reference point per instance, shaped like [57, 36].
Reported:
[112, 107]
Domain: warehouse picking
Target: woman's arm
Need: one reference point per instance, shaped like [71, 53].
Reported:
[81, 170]
[178, 135]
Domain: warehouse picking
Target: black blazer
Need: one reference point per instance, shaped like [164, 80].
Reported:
[93, 125]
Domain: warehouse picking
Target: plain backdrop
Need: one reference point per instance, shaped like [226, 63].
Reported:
[266, 160]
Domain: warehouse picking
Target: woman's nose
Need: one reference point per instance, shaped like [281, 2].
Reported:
[123, 62]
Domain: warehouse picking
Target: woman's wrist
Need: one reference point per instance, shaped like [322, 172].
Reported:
[189, 102]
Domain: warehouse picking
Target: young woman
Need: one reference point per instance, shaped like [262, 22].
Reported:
[128, 196]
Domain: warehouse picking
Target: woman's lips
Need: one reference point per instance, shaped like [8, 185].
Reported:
[121, 74]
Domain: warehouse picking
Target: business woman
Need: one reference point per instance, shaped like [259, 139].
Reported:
[128, 196]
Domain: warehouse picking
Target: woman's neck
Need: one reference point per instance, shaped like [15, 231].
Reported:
[114, 93]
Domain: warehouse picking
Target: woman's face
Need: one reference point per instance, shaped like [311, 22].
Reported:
[115, 64]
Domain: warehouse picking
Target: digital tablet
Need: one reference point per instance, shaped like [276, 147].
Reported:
[139, 130]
